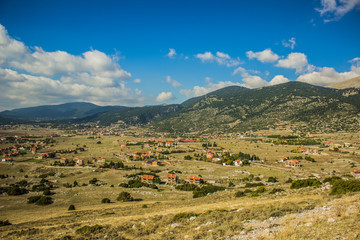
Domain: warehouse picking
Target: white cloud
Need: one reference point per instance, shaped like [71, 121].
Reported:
[355, 61]
[264, 56]
[23, 90]
[173, 82]
[165, 96]
[278, 79]
[137, 80]
[325, 76]
[296, 61]
[31, 77]
[290, 43]
[171, 53]
[220, 57]
[210, 87]
[333, 10]
[206, 56]
[207, 79]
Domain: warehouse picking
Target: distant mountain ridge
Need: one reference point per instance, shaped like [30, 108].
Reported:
[56, 112]
[298, 105]
[351, 83]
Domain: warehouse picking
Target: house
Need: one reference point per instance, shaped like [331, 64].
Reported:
[172, 178]
[210, 154]
[79, 161]
[238, 162]
[193, 179]
[147, 179]
[146, 145]
[64, 161]
[136, 157]
[169, 144]
[33, 150]
[7, 160]
[123, 145]
[292, 163]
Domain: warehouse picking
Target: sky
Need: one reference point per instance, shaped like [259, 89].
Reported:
[137, 53]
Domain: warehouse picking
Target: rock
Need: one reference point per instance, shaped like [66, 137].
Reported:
[330, 220]
[174, 225]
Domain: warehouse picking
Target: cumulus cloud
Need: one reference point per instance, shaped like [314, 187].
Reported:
[220, 57]
[325, 76]
[32, 77]
[137, 80]
[278, 79]
[264, 56]
[173, 82]
[296, 61]
[199, 90]
[165, 96]
[334, 10]
[290, 43]
[171, 53]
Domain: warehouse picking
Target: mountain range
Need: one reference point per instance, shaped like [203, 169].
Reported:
[298, 105]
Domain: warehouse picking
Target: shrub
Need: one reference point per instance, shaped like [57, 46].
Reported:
[43, 200]
[93, 181]
[125, 197]
[205, 190]
[239, 194]
[4, 223]
[89, 229]
[257, 179]
[331, 179]
[250, 185]
[308, 158]
[289, 180]
[305, 183]
[187, 187]
[272, 179]
[144, 206]
[16, 190]
[33, 199]
[254, 194]
[275, 190]
[247, 191]
[260, 189]
[105, 200]
[47, 192]
[345, 186]
[71, 207]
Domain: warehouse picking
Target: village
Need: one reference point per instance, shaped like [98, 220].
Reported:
[65, 167]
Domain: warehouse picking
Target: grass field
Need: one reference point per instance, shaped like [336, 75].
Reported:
[168, 213]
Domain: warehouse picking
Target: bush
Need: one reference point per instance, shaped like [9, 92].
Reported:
[205, 190]
[239, 194]
[105, 200]
[16, 190]
[308, 158]
[187, 187]
[89, 229]
[332, 179]
[345, 186]
[125, 197]
[250, 185]
[305, 183]
[4, 223]
[272, 179]
[275, 190]
[47, 192]
[71, 207]
[33, 199]
[254, 194]
[144, 206]
[93, 181]
[261, 189]
[247, 191]
[43, 200]
[289, 180]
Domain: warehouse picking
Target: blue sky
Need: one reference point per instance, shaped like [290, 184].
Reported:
[137, 53]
